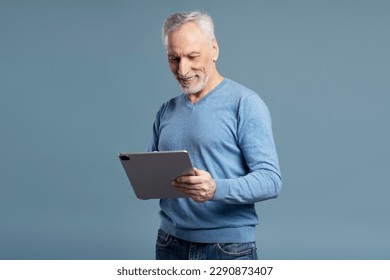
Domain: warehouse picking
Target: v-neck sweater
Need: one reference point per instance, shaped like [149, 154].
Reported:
[229, 134]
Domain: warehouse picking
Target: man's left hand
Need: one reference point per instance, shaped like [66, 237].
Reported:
[200, 187]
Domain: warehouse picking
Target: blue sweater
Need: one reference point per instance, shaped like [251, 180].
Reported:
[227, 133]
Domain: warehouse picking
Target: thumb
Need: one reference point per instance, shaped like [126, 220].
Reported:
[197, 171]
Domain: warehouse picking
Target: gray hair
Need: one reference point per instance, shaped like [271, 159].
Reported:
[176, 20]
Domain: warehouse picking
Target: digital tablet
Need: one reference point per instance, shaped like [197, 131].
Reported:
[150, 174]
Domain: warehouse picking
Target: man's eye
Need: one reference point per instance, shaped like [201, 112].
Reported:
[173, 59]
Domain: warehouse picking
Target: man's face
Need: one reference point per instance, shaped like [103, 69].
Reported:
[190, 56]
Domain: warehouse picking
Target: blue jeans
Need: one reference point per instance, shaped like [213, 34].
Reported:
[169, 247]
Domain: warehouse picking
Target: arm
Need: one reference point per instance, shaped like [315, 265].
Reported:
[263, 179]
[255, 138]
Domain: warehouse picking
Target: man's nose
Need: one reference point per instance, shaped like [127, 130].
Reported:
[184, 67]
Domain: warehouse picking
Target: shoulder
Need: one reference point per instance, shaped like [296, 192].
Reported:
[239, 91]
[244, 96]
[237, 86]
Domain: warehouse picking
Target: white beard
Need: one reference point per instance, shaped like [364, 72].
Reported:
[194, 89]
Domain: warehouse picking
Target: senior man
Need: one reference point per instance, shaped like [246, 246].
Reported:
[226, 129]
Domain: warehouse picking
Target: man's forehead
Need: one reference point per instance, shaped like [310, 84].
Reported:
[187, 39]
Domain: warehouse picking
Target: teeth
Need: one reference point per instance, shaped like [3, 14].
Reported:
[188, 79]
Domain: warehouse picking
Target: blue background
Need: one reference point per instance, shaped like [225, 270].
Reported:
[81, 81]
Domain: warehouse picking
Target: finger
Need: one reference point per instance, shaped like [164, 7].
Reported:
[196, 171]
[183, 190]
[193, 180]
[198, 192]
[186, 189]
[199, 195]
[177, 183]
[199, 172]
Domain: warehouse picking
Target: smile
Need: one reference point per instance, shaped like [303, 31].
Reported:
[186, 79]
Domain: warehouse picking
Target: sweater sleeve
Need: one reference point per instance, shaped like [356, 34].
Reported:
[153, 144]
[255, 138]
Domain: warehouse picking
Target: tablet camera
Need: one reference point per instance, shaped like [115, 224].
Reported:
[124, 157]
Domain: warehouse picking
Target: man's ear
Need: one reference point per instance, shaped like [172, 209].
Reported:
[215, 50]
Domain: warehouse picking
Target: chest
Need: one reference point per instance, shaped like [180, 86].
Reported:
[198, 127]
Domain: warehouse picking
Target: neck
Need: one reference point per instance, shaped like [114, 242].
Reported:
[215, 80]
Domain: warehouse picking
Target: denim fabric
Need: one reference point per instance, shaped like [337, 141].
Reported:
[169, 247]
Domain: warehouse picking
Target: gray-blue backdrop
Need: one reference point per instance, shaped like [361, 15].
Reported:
[81, 81]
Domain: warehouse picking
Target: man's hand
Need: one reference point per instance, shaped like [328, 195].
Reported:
[200, 187]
